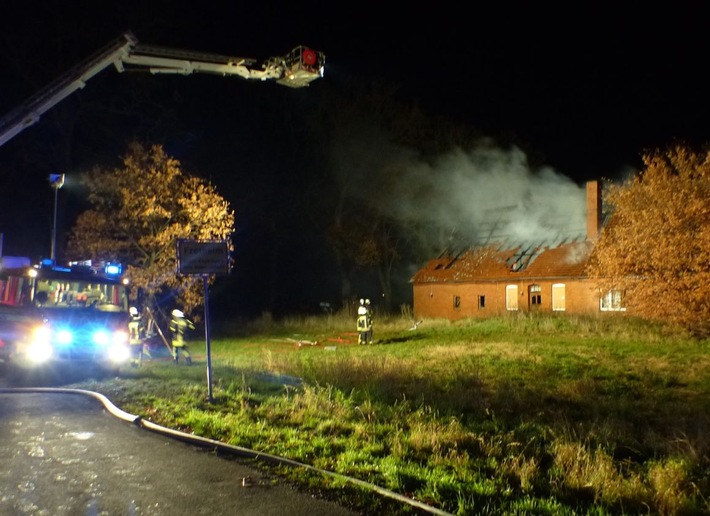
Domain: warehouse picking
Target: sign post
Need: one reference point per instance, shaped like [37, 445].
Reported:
[204, 258]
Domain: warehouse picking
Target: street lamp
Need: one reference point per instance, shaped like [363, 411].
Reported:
[56, 181]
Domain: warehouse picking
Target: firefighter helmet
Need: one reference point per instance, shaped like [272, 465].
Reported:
[178, 313]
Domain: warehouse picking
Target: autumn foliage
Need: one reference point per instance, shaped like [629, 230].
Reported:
[138, 213]
[656, 246]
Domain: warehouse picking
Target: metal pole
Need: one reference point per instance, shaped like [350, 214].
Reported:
[207, 338]
[54, 226]
[56, 181]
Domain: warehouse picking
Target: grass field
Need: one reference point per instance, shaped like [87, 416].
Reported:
[523, 415]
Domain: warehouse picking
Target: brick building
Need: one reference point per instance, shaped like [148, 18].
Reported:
[496, 279]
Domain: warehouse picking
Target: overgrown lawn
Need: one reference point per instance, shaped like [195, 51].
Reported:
[523, 415]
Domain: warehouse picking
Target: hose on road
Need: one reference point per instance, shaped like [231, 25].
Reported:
[223, 447]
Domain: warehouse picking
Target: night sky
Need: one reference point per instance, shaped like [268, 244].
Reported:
[585, 91]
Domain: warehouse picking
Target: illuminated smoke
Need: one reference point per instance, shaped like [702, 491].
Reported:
[490, 194]
[467, 197]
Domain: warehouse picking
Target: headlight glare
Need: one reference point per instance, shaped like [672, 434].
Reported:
[64, 337]
[119, 353]
[120, 337]
[39, 351]
[41, 334]
[101, 337]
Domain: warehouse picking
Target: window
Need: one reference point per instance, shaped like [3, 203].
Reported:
[612, 301]
[14, 290]
[481, 302]
[511, 297]
[558, 297]
[457, 302]
[535, 295]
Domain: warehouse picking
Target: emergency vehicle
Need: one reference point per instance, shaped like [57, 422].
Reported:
[76, 312]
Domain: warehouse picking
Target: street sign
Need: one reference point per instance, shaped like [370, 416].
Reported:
[197, 258]
[202, 258]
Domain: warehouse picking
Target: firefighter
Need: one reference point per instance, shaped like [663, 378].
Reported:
[135, 336]
[178, 325]
[362, 321]
[368, 311]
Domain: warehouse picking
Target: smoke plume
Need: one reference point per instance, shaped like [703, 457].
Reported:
[489, 195]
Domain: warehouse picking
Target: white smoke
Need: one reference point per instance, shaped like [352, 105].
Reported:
[487, 194]
[490, 194]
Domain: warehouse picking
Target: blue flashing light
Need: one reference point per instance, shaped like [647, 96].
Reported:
[113, 269]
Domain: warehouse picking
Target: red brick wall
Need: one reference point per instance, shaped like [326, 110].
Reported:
[436, 300]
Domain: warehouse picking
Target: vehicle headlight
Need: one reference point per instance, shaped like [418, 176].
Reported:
[64, 337]
[39, 351]
[119, 353]
[101, 337]
[41, 334]
[40, 348]
[120, 337]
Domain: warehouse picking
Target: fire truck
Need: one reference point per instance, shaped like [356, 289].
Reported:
[76, 312]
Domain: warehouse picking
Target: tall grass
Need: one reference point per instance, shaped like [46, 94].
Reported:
[522, 415]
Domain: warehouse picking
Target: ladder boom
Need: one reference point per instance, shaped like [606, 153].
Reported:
[297, 69]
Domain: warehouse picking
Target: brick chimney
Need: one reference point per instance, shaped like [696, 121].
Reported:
[594, 209]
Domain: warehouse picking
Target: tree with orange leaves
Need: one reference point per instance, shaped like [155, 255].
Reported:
[656, 247]
[138, 213]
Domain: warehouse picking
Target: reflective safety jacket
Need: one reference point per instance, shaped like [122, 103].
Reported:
[178, 326]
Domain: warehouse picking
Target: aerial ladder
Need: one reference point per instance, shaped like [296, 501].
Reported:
[297, 69]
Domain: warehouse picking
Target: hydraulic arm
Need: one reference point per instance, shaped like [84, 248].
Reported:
[296, 69]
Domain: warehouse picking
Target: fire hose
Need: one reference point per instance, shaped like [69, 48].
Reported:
[223, 447]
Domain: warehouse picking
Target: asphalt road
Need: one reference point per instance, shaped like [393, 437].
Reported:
[64, 454]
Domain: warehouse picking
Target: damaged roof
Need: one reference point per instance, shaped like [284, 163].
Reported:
[495, 263]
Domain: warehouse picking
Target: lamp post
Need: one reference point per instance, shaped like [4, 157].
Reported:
[56, 181]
